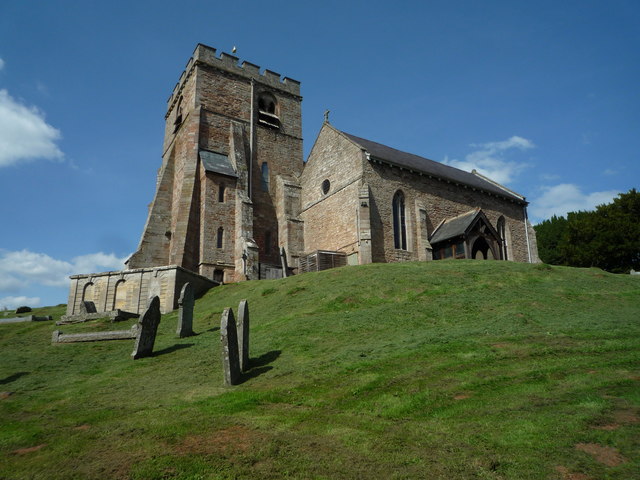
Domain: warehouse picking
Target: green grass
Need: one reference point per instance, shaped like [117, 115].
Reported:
[451, 369]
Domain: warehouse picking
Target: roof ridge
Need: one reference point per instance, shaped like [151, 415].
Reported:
[423, 165]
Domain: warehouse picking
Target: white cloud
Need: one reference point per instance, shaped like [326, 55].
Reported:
[9, 283]
[566, 197]
[489, 159]
[38, 268]
[1, 64]
[98, 262]
[11, 303]
[610, 172]
[24, 133]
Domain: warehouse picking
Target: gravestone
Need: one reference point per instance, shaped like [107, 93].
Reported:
[283, 262]
[59, 337]
[28, 318]
[243, 335]
[185, 312]
[229, 344]
[148, 327]
[88, 306]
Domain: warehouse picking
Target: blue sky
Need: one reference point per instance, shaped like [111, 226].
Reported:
[542, 96]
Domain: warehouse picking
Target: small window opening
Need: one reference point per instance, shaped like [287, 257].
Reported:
[221, 190]
[219, 240]
[326, 185]
[265, 177]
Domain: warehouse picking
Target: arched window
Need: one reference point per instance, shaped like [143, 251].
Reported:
[399, 222]
[503, 238]
[265, 177]
[220, 238]
[221, 189]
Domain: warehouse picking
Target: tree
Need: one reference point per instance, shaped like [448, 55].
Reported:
[608, 238]
[549, 234]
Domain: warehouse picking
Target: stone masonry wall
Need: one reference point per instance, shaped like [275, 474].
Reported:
[283, 155]
[441, 200]
[215, 214]
[130, 290]
[330, 220]
[224, 91]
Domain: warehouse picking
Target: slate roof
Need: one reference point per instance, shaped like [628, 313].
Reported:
[424, 165]
[454, 227]
[217, 163]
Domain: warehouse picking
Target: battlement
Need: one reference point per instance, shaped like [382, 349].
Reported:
[205, 55]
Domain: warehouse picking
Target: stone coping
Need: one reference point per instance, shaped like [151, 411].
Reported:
[137, 270]
[114, 315]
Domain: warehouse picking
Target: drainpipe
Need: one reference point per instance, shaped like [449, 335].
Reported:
[526, 232]
[250, 182]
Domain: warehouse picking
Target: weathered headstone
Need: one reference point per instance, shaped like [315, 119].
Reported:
[243, 335]
[185, 312]
[148, 327]
[229, 344]
[88, 306]
[283, 262]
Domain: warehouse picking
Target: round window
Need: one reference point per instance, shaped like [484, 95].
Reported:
[326, 185]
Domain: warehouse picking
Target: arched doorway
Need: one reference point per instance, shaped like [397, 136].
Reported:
[481, 250]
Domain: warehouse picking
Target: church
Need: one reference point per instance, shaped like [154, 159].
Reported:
[236, 201]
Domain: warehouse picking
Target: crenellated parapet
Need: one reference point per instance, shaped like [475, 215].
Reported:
[207, 56]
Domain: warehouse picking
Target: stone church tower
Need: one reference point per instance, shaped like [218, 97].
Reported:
[234, 200]
[226, 194]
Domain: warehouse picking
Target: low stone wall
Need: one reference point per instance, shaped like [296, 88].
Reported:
[130, 290]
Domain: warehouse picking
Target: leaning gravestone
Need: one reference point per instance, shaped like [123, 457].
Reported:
[229, 343]
[88, 306]
[243, 335]
[185, 312]
[148, 327]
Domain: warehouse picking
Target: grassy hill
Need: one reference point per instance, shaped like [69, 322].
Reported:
[450, 369]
